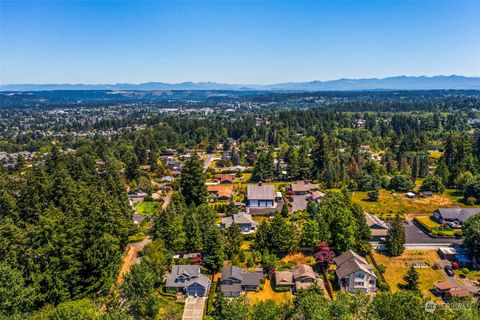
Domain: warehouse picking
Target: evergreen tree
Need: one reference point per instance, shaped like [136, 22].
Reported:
[395, 240]
[411, 279]
[233, 240]
[281, 236]
[213, 249]
[192, 230]
[192, 182]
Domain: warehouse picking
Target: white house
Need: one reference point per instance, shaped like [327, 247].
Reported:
[354, 273]
[260, 196]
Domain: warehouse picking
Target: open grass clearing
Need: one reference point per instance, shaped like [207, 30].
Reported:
[299, 258]
[397, 268]
[391, 203]
[267, 293]
[147, 208]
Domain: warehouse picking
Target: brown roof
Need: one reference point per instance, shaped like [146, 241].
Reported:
[303, 271]
[221, 190]
[284, 278]
[444, 285]
[260, 192]
[301, 186]
[224, 177]
[457, 293]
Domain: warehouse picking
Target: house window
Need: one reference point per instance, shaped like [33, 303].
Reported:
[359, 284]
[372, 282]
[359, 275]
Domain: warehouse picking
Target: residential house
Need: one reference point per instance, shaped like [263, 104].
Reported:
[243, 220]
[302, 187]
[302, 276]
[188, 280]
[174, 165]
[220, 192]
[317, 196]
[354, 273]
[454, 215]
[167, 179]
[136, 197]
[378, 227]
[224, 178]
[260, 196]
[448, 290]
[235, 281]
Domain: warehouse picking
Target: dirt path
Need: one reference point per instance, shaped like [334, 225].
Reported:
[131, 257]
[132, 249]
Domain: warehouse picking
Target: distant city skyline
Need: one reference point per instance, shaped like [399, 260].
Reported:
[246, 42]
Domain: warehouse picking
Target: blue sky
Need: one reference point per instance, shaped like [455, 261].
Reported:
[235, 42]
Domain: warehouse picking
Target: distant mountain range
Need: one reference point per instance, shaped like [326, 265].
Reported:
[390, 83]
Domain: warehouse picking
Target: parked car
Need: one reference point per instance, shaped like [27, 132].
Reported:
[449, 271]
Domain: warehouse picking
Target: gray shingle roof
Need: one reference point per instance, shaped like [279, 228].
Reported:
[460, 214]
[350, 262]
[246, 278]
[260, 192]
[191, 272]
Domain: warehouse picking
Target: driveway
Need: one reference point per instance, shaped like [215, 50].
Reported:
[299, 203]
[208, 158]
[194, 308]
[415, 235]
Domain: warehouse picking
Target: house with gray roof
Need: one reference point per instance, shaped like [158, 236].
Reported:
[456, 214]
[188, 280]
[260, 196]
[354, 273]
[243, 220]
[378, 227]
[235, 281]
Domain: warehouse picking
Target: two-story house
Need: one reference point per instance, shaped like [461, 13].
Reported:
[302, 276]
[235, 281]
[354, 273]
[243, 220]
[187, 279]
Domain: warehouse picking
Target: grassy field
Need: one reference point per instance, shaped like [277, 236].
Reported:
[267, 293]
[299, 258]
[397, 267]
[147, 208]
[391, 203]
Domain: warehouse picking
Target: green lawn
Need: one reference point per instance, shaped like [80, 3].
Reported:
[434, 227]
[147, 208]
[428, 222]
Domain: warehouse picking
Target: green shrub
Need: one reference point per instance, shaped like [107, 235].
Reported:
[381, 268]
[136, 237]
[281, 289]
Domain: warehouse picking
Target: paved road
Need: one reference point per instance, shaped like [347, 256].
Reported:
[415, 235]
[194, 308]
[299, 203]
